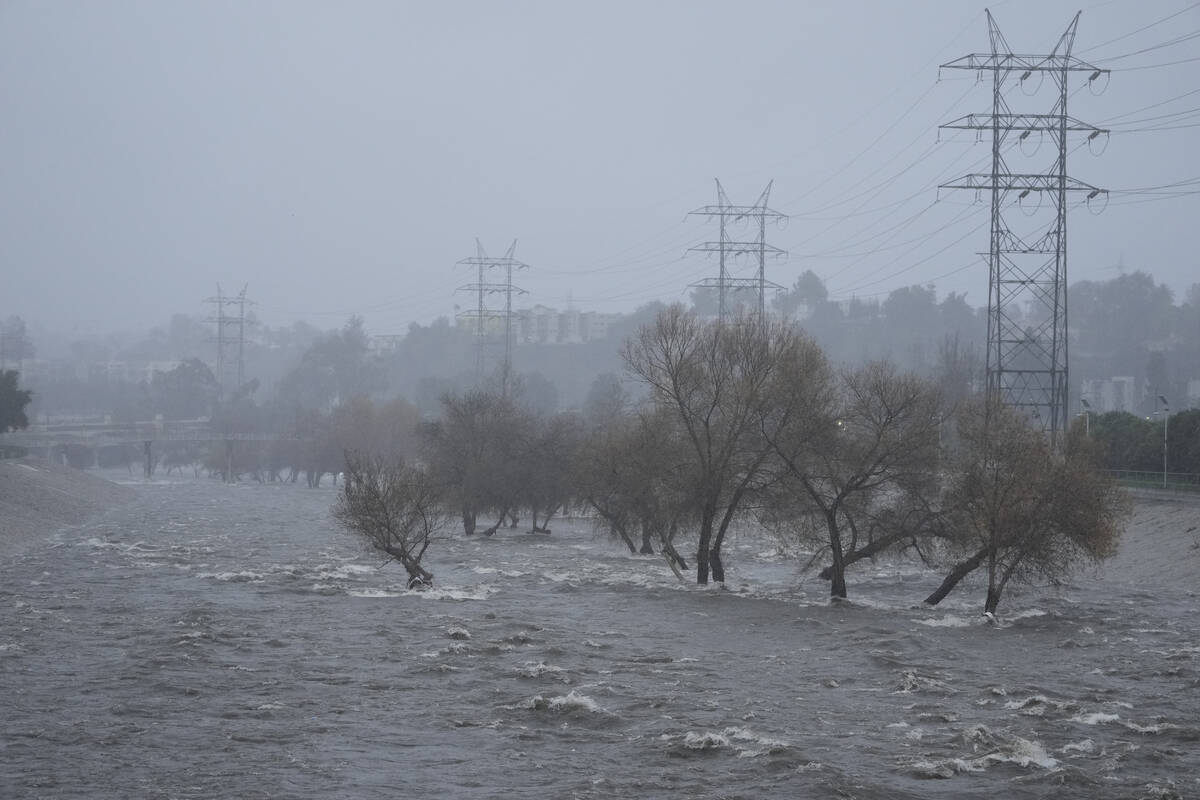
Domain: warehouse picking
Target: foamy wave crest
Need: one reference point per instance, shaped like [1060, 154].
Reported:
[571, 702]
[744, 742]
[242, 576]
[1004, 747]
[1159, 727]
[342, 571]
[536, 669]
[988, 747]
[1095, 718]
[459, 593]
[940, 768]
[1026, 613]
[952, 621]
[372, 593]
[124, 547]
[1037, 705]
[507, 573]
[912, 682]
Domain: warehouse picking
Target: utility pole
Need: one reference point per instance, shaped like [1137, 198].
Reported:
[726, 248]
[229, 315]
[1027, 363]
[482, 288]
[1166, 412]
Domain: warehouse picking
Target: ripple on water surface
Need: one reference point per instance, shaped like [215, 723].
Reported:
[209, 641]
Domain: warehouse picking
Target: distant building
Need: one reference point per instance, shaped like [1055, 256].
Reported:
[1111, 394]
[1193, 394]
[384, 344]
[545, 325]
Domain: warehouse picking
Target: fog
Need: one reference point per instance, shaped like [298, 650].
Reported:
[340, 159]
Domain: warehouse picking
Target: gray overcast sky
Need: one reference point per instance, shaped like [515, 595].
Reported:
[341, 157]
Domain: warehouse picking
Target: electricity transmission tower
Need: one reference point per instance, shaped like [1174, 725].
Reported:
[727, 248]
[1027, 268]
[231, 336]
[483, 315]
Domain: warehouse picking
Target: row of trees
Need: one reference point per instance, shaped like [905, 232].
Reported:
[748, 422]
[1130, 442]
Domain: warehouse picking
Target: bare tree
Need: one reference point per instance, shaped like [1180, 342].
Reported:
[718, 380]
[635, 472]
[545, 469]
[867, 459]
[1019, 509]
[471, 450]
[396, 509]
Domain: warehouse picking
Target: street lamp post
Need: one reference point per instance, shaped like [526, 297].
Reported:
[1166, 413]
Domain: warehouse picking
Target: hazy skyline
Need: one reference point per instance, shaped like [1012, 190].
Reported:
[341, 158]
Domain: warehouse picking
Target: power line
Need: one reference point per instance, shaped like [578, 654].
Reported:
[1163, 64]
[1147, 27]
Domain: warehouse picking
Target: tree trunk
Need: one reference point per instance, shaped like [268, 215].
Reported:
[619, 530]
[666, 539]
[866, 551]
[993, 600]
[545, 521]
[468, 519]
[706, 530]
[544, 527]
[993, 595]
[714, 560]
[647, 548]
[492, 530]
[837, 574]
[615, 525]
[418, 576]
[960, 571]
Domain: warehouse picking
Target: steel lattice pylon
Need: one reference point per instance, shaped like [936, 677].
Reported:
[225, 338]
[1027, 364]
[481, 313]
[727, 248]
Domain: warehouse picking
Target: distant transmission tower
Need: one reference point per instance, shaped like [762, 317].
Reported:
[727, 248]
[482, 288]
[1027, 296]
[229, 316]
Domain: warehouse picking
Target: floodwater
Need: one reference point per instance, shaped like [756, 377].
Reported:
[229, 641]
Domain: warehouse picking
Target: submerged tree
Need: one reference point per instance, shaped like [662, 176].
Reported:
[635, 472]
[716, 378]
[1020, 510]
[545, 467]
[865, 462]
[472, 450]
[396, 509]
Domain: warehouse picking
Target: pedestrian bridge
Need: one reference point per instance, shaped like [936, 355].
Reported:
[54, 439]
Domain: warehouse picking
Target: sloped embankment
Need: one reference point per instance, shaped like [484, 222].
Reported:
[1161, 545]
[38, 498]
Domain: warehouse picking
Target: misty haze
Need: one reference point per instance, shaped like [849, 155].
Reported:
[483, 400]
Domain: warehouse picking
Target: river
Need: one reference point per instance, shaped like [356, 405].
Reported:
[213, 641]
